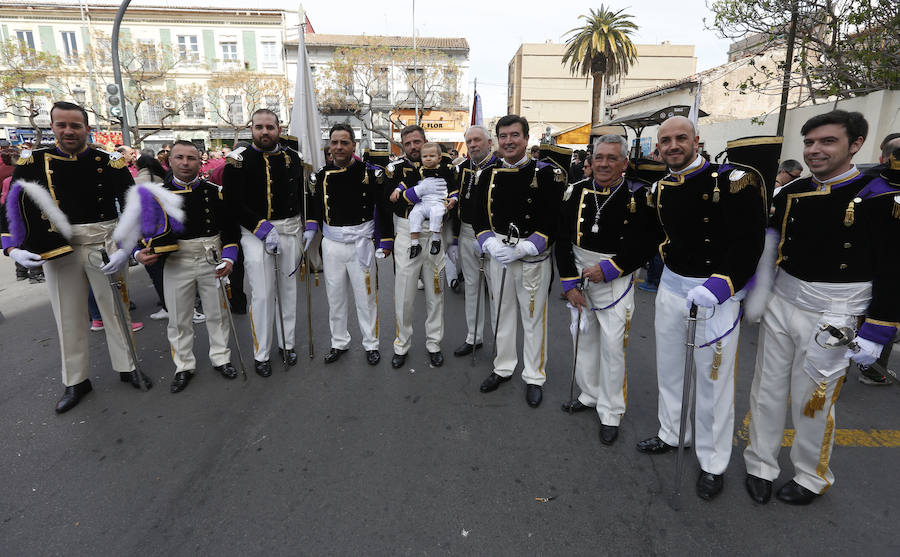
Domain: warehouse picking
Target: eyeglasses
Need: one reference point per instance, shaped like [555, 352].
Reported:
[794, 176]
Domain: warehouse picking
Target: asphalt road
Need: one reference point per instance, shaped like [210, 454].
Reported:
[349, 459]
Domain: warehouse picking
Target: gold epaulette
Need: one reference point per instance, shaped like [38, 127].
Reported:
[25, 157]
[117, 162]
[739, 179]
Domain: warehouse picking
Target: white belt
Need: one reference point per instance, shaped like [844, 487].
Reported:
[92, 232]
[358, 234]
[848, 298]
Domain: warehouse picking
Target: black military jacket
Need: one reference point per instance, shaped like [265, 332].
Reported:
[467, 189]
[351, 196]
[626, 228]
[713, 220]
[405, 174]
[262, 186]
[528, 197]
[844, 232]
[206, 213]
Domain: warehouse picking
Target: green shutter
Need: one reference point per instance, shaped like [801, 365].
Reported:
[209, 48]
[48, 44]
[250, 49]
[165, 37]
[124, 35]
[5, 32]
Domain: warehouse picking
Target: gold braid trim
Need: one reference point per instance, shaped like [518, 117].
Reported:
[118, 163]
[368, 283]
[627, 328]
[747, 179]
[437, 281]
[816, 401]
[717, 361]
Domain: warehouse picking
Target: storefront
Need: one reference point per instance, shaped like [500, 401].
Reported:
[445, 127]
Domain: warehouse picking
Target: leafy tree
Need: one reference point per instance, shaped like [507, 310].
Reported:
[843, 48]
[602, 49]
[23, 82]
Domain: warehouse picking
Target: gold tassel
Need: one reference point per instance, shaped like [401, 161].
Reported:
[895, 211]
[317, 278]
[125, 294]
[437, 281]
[531, 305]
[717, 361]
[716, 194]
[368, 283]
[742, 182]
[627, 328]
[849, 215]
[816, 402]
[632, 206]
[228, 290]
[650, 199]
[303, 271]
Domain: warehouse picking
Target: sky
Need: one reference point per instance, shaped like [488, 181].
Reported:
[496, 29]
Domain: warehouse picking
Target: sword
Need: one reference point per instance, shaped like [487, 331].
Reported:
[477, 307]
[508, 241]
[846, 337]
[280, 313]
[305, 261]
[226, 304]
[575, 357]
[687, 400]
[144, 382]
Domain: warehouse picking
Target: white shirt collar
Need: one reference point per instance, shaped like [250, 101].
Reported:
[689, 168]
[522, 162]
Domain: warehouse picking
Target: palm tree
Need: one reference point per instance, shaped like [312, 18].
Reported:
[602, 48]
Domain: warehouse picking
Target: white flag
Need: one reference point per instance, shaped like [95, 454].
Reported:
[694, 114]
[305, 113]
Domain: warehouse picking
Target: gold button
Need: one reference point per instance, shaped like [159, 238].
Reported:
[49, 172]
[706, 240]
[848, 245]
[625, 222]
[705, 219]
[97, 159]
[715, 174]
[527, 217]
[705, 196]
[583, 206]
[785, 258]
[529, 200]
[207, 210]
[100, 170]
[843, 266]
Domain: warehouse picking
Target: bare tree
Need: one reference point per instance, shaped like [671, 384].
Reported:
[23, 82]
[230, 93]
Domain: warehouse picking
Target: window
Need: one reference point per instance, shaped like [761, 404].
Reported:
[235, 110]
[381, 84]
[193, 109]
[229, 51]
[269, 53]
[26, 38]
[154, 110]
[188, 48]
[273, 104]
[147, 54]
[70, 47]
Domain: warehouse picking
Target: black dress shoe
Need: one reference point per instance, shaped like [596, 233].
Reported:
[654, 445]
[492, 382]
[435, 247]
[465, 349]
[334, 355]
[608, 434]
[134, 378]
[290, 356]
[533, 395]
[793, 493]
[373, 357]
[414, 251]
[72, 395]
[227, 370]
[263, 369]
[437, 358]
[180, 381]
[760, 490]
[575, 406]
[709, 485]
[398, 360]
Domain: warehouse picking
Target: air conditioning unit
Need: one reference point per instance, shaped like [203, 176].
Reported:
[169, 104]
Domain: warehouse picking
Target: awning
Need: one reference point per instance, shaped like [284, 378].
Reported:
[653, 117]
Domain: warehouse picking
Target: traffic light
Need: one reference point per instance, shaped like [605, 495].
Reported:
[114, 99]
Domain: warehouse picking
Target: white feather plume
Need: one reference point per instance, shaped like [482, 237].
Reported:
[128, 230]
[41, 197]
[758, 298]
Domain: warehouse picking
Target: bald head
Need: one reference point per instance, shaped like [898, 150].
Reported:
[677, 141]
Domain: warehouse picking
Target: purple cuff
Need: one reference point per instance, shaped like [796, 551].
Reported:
[411, 196]
[610, 272]
[454, 195]
[483, 237]
[386, 245]
[879, 334]
[263, 229]
[230, 252]
[7, 242]
[569, 284]
[312, 225]
[539, 242]
[719, 287]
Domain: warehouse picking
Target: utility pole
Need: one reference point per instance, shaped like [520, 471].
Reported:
[415, 78]
[788, 59]
[117, 70]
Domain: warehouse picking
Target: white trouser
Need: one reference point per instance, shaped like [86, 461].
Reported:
[525, 292]
[260, 272]
[406, 274]
[714, 399]
[780, 382]
[600, 368]
[187, 271]
[343, 269]
[432, 211]
[68, 278]
[471, 265]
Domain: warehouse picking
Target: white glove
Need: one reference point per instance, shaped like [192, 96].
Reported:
[477, 248]
[272, 241]
[702, 297]
[453, 254]
[867, 354]
[506, 254]
[117, 262]
[491, 245]
[525, 247]
[379, 253]
[26, 258]
[430, 186]
[573, 315]
[308, 236]
[221, 266]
